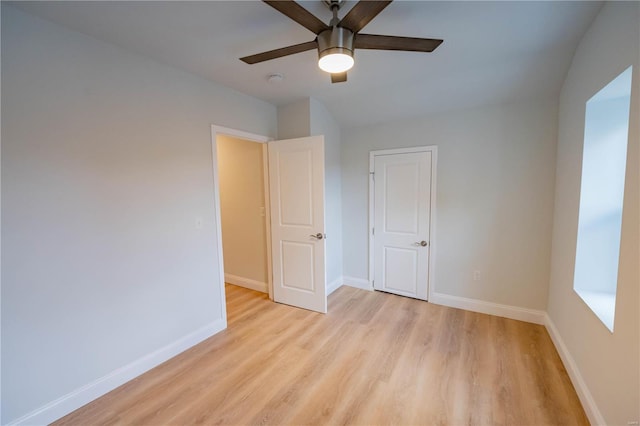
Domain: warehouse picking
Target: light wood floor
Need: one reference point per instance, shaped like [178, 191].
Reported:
[374, 358]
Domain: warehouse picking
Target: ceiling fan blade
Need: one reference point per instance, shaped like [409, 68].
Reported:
[299, 14]
[362, 13]
[383, 42]
[278, 53]
[339, 77]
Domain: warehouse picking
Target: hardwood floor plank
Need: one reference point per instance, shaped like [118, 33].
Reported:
[375, 358]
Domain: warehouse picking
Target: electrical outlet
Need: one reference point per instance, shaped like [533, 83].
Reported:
[476, 275]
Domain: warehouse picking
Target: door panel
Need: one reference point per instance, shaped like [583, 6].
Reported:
[400, 208]
[400, 270]
[297, 265]
[296, 186]
[402, 203]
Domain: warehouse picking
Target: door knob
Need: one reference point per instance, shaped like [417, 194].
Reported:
[422, 243]
[318, 236]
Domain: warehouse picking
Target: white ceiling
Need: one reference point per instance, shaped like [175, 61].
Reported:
[492, 52]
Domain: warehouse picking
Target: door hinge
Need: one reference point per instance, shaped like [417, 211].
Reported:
[373, 175]
[373, 231]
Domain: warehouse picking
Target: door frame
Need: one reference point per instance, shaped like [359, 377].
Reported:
[433, 149]
[240, 134]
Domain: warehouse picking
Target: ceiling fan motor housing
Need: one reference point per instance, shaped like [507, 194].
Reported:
[335, 40]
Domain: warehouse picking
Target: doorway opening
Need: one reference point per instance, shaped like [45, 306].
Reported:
[243, 212]
[241, 193]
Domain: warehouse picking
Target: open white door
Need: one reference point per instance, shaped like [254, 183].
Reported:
[296, 186]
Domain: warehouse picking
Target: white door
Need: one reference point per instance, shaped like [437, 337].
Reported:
[296, 186]
[401, 226]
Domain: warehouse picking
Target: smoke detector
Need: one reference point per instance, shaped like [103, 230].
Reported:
[275, 78]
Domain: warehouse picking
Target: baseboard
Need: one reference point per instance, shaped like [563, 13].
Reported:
[588, 403]
[246, 283]
[475, 305]
[334, 285]
[70, 402]
[357, 283]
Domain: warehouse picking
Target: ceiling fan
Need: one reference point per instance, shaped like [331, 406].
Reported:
[336, 42]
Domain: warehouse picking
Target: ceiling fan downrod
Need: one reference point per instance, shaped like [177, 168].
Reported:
[336, 41]
[334, 5]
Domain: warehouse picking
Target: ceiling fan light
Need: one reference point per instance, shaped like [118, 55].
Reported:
[335, 62]
[335, 50]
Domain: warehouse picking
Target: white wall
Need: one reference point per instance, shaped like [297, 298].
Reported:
[310, 118]
[323, 123]
[294, 120]
[242, 204]
[106, 165]
[494, 194]
[609, 363]
[0, 226]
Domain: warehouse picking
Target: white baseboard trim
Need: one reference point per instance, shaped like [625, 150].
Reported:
[246, 283]
[334, 285]
[588, 403]
[357, 283]
[70, 402]
[475, 305]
